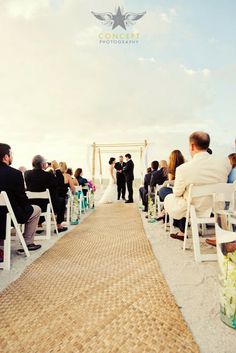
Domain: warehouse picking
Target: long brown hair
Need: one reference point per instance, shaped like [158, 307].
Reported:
[176, 159]
[232, 158]
[78, 172]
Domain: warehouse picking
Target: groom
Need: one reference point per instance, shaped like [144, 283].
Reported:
[129, 176]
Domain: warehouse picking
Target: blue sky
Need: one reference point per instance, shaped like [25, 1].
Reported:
[54, 73]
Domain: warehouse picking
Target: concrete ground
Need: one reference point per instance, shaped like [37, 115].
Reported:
[195, 287]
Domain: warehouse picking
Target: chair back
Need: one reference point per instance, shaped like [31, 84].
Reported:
[210, 189]
[38, 195]
[219, 192]
[4, 201]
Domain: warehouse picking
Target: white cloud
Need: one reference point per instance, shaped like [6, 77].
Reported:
[151, 60]
[168, 16]
[26, 9]
[192, 72]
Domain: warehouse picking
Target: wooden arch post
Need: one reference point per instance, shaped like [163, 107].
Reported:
[93, 161]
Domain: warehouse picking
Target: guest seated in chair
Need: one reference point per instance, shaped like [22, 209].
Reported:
[11, 181]
[202, 169]
[70, 172]
[143, 190]
[159, 176]
[38, 180]
[81, 180]
[232, 175]
[175, 160]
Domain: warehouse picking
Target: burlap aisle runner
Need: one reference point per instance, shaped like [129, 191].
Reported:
[98, 290]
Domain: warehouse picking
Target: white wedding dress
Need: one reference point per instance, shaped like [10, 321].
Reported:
[110, 194]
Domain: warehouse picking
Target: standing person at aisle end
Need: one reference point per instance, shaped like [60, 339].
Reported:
[120, 177]
[129, 177]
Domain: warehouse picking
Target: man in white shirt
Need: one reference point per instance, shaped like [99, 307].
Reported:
[202, 169]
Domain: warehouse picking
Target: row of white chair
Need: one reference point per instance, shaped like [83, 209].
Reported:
[220, 192]
[11, 219]
[81, 201]
[49, 218]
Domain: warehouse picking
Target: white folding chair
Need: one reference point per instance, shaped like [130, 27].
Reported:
[221, 191]
[69, 206]
[48, 214]
[80, 189]
[87, 196]
[160, 206]
[4, 201]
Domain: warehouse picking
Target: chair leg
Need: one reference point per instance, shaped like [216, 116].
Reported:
[204, 229]
[166, 215]
[54, 221]
[195, 235]
[22, 240]
[68, 212]
[171, 224]
[7, 245]
[186, 231]
[48, 223]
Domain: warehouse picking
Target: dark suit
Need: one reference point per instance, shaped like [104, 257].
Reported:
[158, 178]
[120, 177]
[11, 181]
[37, 180]
[129, 177]
[147, 180]
[143, 191]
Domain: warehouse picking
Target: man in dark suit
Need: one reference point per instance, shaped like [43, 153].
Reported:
[129, 176]
[147, 180]
[11, 181]
[38, 180]
[159, 176]
[120, 177]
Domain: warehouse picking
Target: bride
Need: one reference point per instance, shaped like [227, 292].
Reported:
[110, 193]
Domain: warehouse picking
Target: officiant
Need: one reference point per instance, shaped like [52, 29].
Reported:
[120, 177]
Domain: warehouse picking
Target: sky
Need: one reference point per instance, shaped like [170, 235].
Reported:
[61, 90]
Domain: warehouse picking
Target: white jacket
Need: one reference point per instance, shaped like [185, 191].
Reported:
[202, 169]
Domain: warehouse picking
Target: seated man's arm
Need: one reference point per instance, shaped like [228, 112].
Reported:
[180, 184]
[19, 190]
[146, 183]
[153, 181]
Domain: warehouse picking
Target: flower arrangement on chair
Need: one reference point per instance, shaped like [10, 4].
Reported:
[91, 186]
[228, 290]
[92, 190]
[151, 208]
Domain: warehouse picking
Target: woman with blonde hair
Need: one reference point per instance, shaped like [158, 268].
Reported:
[64, 181]
[68, 181]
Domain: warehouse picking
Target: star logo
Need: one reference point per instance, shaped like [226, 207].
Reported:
[119, 18]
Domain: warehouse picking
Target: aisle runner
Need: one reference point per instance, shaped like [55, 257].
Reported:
[98, 290]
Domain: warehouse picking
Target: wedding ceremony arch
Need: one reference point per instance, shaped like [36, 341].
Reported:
[98, 150]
